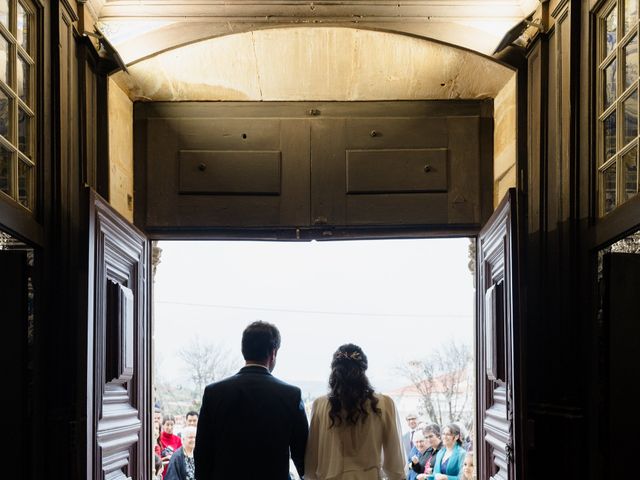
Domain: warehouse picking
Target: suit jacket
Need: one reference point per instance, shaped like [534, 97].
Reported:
[176, 469]
[454, 466]
[407, 444]
[250, 418]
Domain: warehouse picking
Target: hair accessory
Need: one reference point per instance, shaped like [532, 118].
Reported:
[351, 356]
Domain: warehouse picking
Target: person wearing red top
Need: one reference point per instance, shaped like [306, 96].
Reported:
[168, 441]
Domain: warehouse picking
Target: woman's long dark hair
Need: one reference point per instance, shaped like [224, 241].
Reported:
[349, 387]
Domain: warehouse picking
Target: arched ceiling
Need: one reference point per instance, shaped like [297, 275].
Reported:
[141, 28]
[315, 63]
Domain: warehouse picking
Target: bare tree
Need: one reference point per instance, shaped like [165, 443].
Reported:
[206, 362]
[444, 379]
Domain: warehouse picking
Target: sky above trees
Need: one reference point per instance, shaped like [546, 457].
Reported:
[397, 299]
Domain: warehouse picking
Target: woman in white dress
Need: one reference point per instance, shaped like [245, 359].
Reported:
[354, 432]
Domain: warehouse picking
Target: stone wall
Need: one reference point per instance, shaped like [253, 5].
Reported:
[120, 150]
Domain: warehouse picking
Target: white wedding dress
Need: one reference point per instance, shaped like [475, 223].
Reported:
[367, 451]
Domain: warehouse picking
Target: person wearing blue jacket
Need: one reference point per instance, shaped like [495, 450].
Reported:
[450, 459]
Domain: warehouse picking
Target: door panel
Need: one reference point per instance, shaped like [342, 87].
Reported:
[207, 172]
[622, 288]
[498, 344]
[14, 298]
[119, 350]
[306, 166]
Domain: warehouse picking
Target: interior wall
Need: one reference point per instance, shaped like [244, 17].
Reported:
[504, 140]
[120, 150]
[331, 64]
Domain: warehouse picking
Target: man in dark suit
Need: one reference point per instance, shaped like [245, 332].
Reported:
[251, 401]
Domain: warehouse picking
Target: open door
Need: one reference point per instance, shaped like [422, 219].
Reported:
[497, 345]
[118, 347]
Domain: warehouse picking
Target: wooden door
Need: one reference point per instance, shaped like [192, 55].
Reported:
[621, 276]
[14, 313]
[118, 347]
[498, 346]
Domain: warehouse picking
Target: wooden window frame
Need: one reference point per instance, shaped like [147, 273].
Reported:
[621, 95]
[30, 106]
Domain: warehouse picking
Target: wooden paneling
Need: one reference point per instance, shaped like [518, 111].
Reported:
[535, 144]
[220, 172]
[396, 171]
[14, 293]
[118, 347]
[622, 288]
[498, 348]
[290, 166]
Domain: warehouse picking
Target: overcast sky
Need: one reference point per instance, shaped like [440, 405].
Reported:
[394, 298]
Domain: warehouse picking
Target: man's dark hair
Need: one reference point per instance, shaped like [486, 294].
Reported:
[258, 341]
[192, 413]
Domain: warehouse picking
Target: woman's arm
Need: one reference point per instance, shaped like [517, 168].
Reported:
[393, 454]
[313, 445]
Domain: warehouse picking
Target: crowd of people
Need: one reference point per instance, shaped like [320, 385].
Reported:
[173, 453]
[353, 433]
[441, 455]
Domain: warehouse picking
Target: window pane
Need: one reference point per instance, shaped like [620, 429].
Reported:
[610, 84]
[609, 188]
[5, 115]
[5, 170]
[4, 59]
[610, 136]
[631, 62]
[23, 79]
[630, 174]
[631, 117]
[4, 13]
[24, 132]
[25, 184]
[630, 14]
[610, 25]
[23, 28]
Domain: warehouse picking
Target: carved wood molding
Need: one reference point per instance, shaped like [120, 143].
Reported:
[118, 394]
[71, 12]
[495, 345]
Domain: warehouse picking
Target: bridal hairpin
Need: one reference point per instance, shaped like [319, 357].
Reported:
[350, 356]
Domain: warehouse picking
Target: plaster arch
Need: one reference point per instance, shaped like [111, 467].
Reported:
[316, 63]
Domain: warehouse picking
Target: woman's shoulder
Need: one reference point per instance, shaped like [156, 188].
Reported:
[385, 400]
[382, 397]
[320, 402]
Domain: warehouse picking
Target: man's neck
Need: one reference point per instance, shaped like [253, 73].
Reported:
[256, 364]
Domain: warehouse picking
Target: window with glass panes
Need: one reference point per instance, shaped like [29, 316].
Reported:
[17, 108]
[617, 103]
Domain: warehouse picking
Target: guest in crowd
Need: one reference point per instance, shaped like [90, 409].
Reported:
[407, 438]
[158, 467]
[432, 434]
[449, 460]
[418, 457]
[182, 466]
[191, 418]
[468, 468]
[169, 442]
[465, 436]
